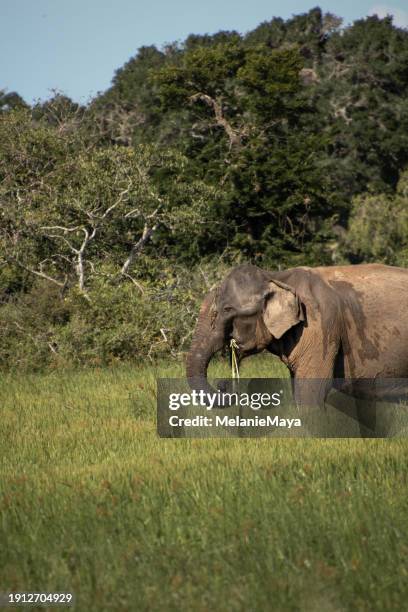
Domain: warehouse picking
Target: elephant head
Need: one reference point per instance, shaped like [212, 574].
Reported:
[249, 306]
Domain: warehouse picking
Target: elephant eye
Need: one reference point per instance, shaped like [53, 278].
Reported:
[228, 309]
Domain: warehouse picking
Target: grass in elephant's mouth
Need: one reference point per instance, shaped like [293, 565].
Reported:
[92, 501]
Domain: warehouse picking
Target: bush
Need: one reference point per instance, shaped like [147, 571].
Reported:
[122, 320]
[378, 227]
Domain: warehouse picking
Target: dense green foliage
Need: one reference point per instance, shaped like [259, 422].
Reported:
[93, 502]
[285, 146]
[378, 226]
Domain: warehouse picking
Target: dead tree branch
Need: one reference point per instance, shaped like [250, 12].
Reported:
[138, 246]
[78, 252]
[17, 262]
[234, 136]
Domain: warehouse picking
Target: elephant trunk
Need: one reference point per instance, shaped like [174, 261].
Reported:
[207, 340]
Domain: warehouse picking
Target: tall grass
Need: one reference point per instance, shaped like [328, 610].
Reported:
[93, 502]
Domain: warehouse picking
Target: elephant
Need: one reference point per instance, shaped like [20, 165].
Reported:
[337, 323]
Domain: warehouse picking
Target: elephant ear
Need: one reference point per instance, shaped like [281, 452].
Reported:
[282, 309]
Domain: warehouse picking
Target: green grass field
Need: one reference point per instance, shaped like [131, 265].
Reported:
[93, 502]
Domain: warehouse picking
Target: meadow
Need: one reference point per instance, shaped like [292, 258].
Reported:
[93, 502]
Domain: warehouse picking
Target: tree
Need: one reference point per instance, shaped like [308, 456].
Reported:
[10, 101]
[361, 97]
[70, 212]
[249, 135]
[378, 227]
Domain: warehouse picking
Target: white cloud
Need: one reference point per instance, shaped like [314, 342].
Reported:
[400, 17]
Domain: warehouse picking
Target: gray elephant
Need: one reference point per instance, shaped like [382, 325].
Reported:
[348, 323]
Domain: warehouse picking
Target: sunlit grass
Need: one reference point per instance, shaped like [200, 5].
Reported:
[93, 502]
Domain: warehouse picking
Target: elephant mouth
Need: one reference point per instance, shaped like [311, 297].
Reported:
[243, 349]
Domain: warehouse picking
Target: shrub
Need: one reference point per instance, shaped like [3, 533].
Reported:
[378, 227]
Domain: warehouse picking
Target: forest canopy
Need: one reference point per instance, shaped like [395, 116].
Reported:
[284, 146]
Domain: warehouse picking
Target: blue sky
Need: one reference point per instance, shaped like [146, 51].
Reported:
[75, 46]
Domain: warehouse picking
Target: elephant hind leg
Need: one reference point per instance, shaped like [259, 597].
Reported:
[367, 417]
[310, 395]
[364, 392]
